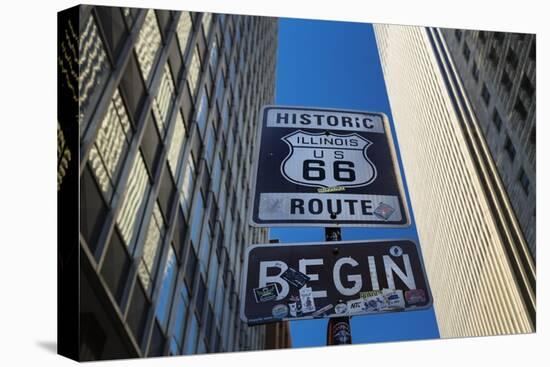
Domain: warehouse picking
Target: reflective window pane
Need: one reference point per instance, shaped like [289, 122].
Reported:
[192, 336]
[132, 207]
[184, 30]
[153, 241]
[164, 100]
[110, 145]
[92, 70]
[194, 69]
[148, 43]
[206, 22]
[167, 287]
[188, 184]
[202, 111]
[176, 146]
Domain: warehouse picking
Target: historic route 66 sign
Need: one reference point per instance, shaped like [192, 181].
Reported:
[319, 167]
[328, 160]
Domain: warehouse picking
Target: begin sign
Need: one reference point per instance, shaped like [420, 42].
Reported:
[319, 167]
[332, 279]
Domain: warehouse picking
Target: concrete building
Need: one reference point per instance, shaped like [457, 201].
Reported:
[167, 111]
[498, 73]
[480, 269]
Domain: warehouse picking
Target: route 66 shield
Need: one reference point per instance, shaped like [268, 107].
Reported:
[328, 160]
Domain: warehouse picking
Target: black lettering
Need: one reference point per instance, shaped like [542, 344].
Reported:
[338, 154]
[353, 143]
[346, 121]
[338, 207]
[319, 206]
[332, 120]
[367, 122]
[296, 204]
[338, 141]
[351, 204]
[281, 116]
[321, 153]
[319, 117]
[305, 119]
[366, 207]
[294, 119]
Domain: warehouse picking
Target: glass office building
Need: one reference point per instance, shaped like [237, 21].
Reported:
[168, 105]
[481, 272]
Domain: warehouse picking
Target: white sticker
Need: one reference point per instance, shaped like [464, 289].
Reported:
[356, 306]
[394, 299]
[340, 308]
[306, 298]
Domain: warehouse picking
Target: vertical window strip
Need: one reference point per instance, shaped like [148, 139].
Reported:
[112, 140]
[138, 185]
[93, 66]
[153, 240]
[176, 145]
[148, 43]
[188, 184]
[206, 22]
[184, 30]
[194, 69]
[164, 100]
[167, 286]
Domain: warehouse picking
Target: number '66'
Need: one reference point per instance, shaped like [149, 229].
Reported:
[314, 170]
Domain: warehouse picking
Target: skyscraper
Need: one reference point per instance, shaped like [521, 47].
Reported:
[498, 72]
[167, 110]
[481, 272]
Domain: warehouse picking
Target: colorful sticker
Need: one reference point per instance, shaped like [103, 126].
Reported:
[394, 299]
[295, 278]
[279, 311]
[415, 296]
[266, 294]
[383, 211]
[306, 297]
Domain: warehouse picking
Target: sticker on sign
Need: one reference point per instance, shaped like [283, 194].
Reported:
[318, 167]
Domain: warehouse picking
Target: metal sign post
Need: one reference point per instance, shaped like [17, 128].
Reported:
[338, 328]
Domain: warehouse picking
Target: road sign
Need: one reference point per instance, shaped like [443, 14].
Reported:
[319, 167]
[332, 279]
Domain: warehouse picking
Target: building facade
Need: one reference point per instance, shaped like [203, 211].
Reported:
[277, 335]
[168, 108]
[498, 72]
[480, 269]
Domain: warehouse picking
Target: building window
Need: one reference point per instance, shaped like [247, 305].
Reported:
[506, 82]
[185, 25]
[512, 59]
[519, 108]
[509, 148]
[527, 86]
[188, 183]
[475, 71]
[524, 181]
[129, 215]
[202, 111]
[151, 247]
[192, 336]
[179, 324]
[176, 145]
[111, 145]
[466, 52]
[482, 36]
[206, 22]
[116, 266]
[499, 37]
[148, 43]
[485, 95]
[493, 57]
[496, 119]
[137, 314]
[92, 70]
[166, 288]
[162, 104]
[194, 70]
[197, 218]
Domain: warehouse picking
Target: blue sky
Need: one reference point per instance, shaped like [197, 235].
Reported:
[336, 64]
